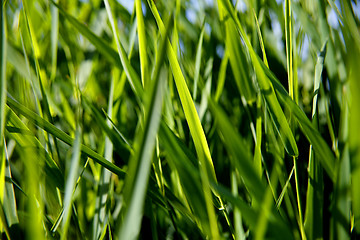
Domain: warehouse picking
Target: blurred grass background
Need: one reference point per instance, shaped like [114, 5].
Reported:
[180, 119]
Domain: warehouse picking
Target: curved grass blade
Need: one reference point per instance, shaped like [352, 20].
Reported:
[196, 130]
[42, 123]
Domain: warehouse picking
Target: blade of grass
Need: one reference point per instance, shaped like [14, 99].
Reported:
[222, 76]
[293, 95]
[42, 123]
[9, 203]
[101, 217]
[196, 130]
[198, 61]
[258, 155]
[2, 100]
[289, 47]
[142, 43]
[54, 38]
[353, 71]
[71, 182]
[314, 206]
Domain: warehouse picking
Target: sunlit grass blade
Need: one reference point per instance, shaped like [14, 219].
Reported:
[289, 47]
[257, 154]
[42, 123]
[222, 76]
[142, 43]
[70, 183]
[354, 127]
[198, 61]
[196, 130]
[2, 101]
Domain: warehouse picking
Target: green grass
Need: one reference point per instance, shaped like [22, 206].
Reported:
[177, 120]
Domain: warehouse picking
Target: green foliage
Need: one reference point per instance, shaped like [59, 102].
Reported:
[179, 119]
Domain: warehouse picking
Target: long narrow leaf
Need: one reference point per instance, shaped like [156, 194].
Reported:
[36, 119]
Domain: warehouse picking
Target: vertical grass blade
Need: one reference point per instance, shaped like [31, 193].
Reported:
[54, 38]
[198, 61]
[71, 182]
[289, 47]
[2, 100]
[353, 69]
[101, 217]
[196, 130]
[9, 203]
[142, 43]
[314, 195]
